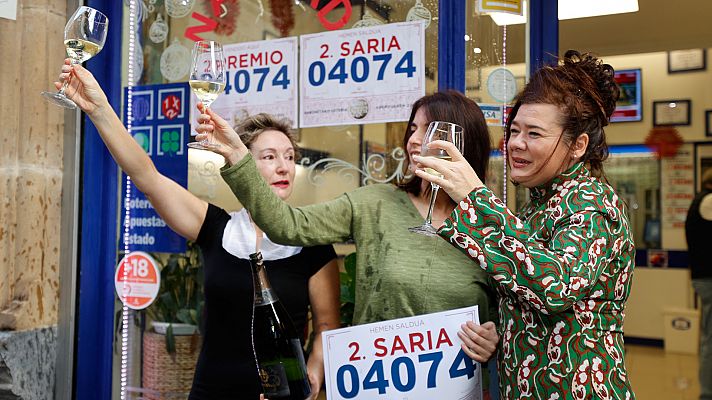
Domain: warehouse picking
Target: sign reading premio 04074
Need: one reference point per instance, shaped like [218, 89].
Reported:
[261, 77]
[365, 75]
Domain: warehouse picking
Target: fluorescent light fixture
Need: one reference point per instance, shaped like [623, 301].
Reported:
[571, 9]
[501, 18]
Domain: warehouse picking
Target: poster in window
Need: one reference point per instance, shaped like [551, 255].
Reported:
[629, 105]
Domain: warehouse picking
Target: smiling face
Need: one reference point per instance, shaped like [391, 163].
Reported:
[415, 142]
[274, 156]
[536, 151]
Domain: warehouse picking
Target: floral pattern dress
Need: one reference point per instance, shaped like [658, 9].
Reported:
[563, 269]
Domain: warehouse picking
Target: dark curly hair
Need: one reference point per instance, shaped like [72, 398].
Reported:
[582, 86]
[455, 107]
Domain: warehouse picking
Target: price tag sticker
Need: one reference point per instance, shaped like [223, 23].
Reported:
[363, 75]
[415, 358]
[137, 280]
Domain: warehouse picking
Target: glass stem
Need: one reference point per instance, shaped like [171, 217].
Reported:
[208, 139]
[65, 85]
[433, 196]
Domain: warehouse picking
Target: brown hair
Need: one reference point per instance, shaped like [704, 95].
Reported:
[453, 107]
[585, 91]
[252, 127]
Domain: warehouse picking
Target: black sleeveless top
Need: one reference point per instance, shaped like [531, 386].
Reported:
[697, 231]
[226, 366]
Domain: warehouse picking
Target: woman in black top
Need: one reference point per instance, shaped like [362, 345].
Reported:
[226, 366]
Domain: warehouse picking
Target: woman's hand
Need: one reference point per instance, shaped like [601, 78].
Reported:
[228, 143]
[83, 89]
[458, 180]
[479, 342]
[315, 373]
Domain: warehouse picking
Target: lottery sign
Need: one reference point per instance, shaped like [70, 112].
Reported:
[365, 75]
[159, 124]
[261, 77]
[415, 358]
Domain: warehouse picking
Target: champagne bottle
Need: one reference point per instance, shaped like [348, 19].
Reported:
[280, 360]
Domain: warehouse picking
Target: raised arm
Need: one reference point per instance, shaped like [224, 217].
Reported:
[323, 223]
[551, 277]
[324, 298]
[181, 210]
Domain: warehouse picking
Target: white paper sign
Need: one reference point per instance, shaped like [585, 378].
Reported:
[262, 77]
[415, 358]
[8, 9]
[364, 75]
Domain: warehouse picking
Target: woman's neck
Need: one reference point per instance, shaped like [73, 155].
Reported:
[258, 234]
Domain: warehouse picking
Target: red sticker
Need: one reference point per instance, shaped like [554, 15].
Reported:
[137, 280]
[171, 107]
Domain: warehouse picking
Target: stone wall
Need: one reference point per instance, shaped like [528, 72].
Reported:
[27, 361]
[31, 136]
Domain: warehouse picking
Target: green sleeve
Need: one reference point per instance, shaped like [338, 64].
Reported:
[549, 277]
[322, 223]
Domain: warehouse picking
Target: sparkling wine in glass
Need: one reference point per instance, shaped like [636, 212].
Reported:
[437, 130]
[84, 36]
[207, 78]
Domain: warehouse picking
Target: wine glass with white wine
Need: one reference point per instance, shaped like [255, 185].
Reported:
[207, 78]
[437, 130]
[84, 36]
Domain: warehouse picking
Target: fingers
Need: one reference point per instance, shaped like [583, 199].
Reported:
[490, 327]
[472, 349]
[85, 77]
[449, 147]
[431, 178]
[217, 119]
[204, 127]
[484, 335]
[437, 164]
[479, 342]
[473, 353]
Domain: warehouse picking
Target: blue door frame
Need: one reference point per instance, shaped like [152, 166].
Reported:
[99, 201]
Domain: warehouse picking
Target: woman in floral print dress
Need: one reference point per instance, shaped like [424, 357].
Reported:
[564, 263]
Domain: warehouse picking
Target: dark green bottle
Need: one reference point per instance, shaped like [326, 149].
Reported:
[280, 360]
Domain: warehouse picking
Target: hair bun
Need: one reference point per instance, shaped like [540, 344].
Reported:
[600, 85]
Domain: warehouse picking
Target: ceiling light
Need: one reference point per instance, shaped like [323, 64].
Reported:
[571, 9]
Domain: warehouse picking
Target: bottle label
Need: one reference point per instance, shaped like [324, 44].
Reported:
[266, 297]
[274, 379]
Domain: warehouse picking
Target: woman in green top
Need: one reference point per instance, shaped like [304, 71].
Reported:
[563, 264]
[398, 273]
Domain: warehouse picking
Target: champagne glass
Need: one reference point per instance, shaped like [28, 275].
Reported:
[207, 78]
[84, 36]
[437, 130]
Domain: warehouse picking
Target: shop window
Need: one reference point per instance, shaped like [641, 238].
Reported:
[335, 159]
[495, 71]
[634, 173]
